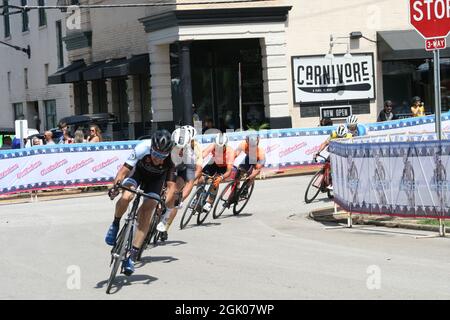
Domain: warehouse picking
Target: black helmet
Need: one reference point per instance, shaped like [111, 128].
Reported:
[162, 141]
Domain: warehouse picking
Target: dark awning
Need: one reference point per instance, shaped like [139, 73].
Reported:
[60, 76]
[96, 72]
[132, 66]
[404, 44]
[77, 75]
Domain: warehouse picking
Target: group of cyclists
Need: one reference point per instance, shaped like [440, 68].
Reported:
[174, 162]
[344, 131]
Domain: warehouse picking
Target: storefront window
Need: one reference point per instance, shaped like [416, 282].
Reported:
[402, 80]
[215, 82]
[81, 97]
[50, 114]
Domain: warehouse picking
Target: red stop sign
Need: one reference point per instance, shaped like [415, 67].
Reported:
[431, 18]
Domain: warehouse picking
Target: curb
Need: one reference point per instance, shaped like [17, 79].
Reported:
[327, 215]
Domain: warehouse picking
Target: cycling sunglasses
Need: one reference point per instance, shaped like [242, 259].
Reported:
[158, 155]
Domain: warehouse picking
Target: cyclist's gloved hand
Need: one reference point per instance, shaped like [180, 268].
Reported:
[114, 191]
[217, 181]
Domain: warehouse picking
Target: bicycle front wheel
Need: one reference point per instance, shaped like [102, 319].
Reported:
[191, 208]
[118, 253]
[244, 194]
[148, 237]
[224, 201]
[201, 217]
[312, 190]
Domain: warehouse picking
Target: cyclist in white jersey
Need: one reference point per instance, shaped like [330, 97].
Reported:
[187, 158]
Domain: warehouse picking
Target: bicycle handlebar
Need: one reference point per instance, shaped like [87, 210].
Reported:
[152, 195]
[319, 155]
[207, 176]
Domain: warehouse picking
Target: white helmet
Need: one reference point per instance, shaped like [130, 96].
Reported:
[352, 119]
[181, 137]
[191, 130]
[221, 139]
[342, 131]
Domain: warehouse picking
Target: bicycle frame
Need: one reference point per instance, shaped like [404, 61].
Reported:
[326, 169]
[205, 193]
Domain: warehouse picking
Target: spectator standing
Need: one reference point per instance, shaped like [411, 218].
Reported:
[195, 116]
[48, 136]
[36, 141]
[7, 143]
[95, 134]
[324, 122]
[207, 125]
[65, 138]
[79, 136]
[386, 114]
[417, 108]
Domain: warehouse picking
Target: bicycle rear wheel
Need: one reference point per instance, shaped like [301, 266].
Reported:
[224, 201]
[242, 198]
[118, 253]
[201, 217]
[156, 218]
[191, 208]
[312, 190]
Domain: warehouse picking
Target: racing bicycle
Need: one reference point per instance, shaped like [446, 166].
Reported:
[196, 203]
[319, 182]
[235, 195]
[124, 240]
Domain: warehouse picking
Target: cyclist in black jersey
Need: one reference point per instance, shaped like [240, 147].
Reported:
[149, 167]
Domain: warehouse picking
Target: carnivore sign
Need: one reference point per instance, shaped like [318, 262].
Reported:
[319, 79]
[431, 18]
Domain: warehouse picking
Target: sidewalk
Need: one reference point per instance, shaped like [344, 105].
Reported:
[327, 215]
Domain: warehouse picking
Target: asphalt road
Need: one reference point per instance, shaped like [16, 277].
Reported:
[55, 250]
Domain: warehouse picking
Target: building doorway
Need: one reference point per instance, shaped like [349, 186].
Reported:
[215, 82]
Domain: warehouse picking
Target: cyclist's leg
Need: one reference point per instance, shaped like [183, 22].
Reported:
[126, 197]
[171, 211]
[120, 208]
[184, 188]
[144, 217]
[122, 204]
[213, 190]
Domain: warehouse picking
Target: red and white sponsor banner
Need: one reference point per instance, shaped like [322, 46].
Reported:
[59, 166]
[20, 171]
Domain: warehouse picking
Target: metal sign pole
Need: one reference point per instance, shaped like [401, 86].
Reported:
[437, 93]
[437, 106]
[240, 98]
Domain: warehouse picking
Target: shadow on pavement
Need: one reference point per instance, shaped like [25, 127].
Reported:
[242, 215]
[147, 259]
[122, 281]
[173, 243]
[361, 228]
[321, 200]
[207, 224]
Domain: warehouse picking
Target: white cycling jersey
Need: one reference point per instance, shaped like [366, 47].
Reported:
[187, 155]
[139, 152]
